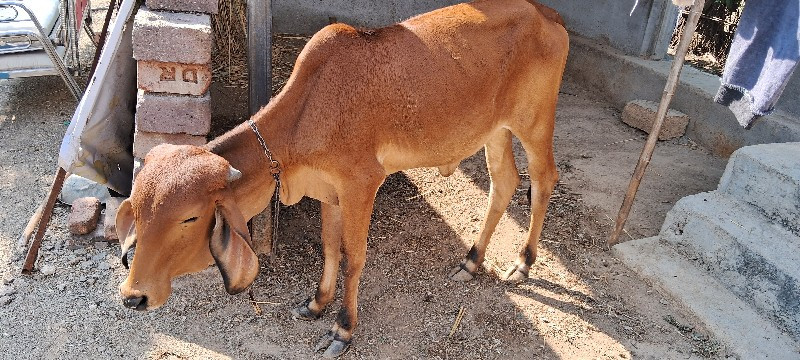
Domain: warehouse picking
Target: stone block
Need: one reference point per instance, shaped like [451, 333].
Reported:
[172, 37]
[137, 166]
[84, 215]
[76, 187]
[203, 6]
[110, 219]
[173, 114]
[641, 114]
[144, 141]
[175, 78]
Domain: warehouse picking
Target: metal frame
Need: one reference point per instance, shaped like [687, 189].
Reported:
[59, 67]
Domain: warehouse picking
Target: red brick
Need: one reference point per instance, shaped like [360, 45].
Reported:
[173, 114]
[175, 78]
[144, 141]
[84, 215]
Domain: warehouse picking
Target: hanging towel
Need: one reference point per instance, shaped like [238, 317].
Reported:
[762, 58]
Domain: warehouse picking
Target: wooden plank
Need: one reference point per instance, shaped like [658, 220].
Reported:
[259, 54]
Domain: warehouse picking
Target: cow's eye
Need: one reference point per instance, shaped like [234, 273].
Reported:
[189, 220]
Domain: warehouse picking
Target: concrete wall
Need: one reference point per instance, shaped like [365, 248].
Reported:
[308, 16]
[789, 100]
[645, 32]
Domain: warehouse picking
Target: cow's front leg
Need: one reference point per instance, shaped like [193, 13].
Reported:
[356, 212]
[312, 308]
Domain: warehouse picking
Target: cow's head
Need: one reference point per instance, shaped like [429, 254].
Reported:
[182, 217]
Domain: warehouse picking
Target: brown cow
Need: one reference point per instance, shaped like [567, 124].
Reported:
[360, 105]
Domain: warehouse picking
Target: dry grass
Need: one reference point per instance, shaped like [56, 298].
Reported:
[230, 43]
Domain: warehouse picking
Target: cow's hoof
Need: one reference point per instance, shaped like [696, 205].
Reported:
[302, 312]
[336, 349]
[460, 273]
[516, 273]
[333, 347]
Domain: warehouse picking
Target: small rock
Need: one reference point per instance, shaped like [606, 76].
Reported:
[100, 256]
[103, 266]
[88, 264]
[76, 187]
[73, 260]
[91, 281]
[80, 251]
[82, 279]
[84, 216]
[92, 306]
[110, 218]
[8, 281]
[100, 245]
[61, 287]
[5, 300]
[48, 270]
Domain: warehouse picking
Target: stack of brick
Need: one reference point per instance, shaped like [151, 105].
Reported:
[172, 43]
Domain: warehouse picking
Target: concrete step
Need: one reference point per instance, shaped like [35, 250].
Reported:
[754, 257]
[767, 177]
[731, 320]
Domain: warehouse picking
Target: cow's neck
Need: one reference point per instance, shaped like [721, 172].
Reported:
[242, 149]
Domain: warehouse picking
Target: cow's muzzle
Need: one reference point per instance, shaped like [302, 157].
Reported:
[136, 302]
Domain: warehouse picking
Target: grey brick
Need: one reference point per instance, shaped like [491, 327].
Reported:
[176, 78]
[173, 114]
[144, 141]
[172, 37]
[110, 219]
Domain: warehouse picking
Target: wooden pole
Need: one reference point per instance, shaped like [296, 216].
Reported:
[666, 98]
[44, 213]
[259, 53]
[259, 61]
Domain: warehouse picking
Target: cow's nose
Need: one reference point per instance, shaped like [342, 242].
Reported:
[136, 302]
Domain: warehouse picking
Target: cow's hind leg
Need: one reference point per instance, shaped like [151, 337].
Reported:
[538, 144]
[331, 248]
[504, 180]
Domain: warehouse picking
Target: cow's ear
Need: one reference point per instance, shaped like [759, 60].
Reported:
[230, 247]
[126, 229]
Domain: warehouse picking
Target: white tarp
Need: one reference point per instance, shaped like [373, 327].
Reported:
[97, 144]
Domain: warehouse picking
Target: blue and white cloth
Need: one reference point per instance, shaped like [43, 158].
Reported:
[762, 58]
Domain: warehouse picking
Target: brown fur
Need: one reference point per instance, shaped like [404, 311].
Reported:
[360, 105]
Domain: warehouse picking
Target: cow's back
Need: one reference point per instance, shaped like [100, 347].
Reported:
[409, 88]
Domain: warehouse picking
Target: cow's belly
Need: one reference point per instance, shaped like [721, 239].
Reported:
[431, 151]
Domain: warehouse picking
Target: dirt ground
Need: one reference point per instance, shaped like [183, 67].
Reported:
[580, 302]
